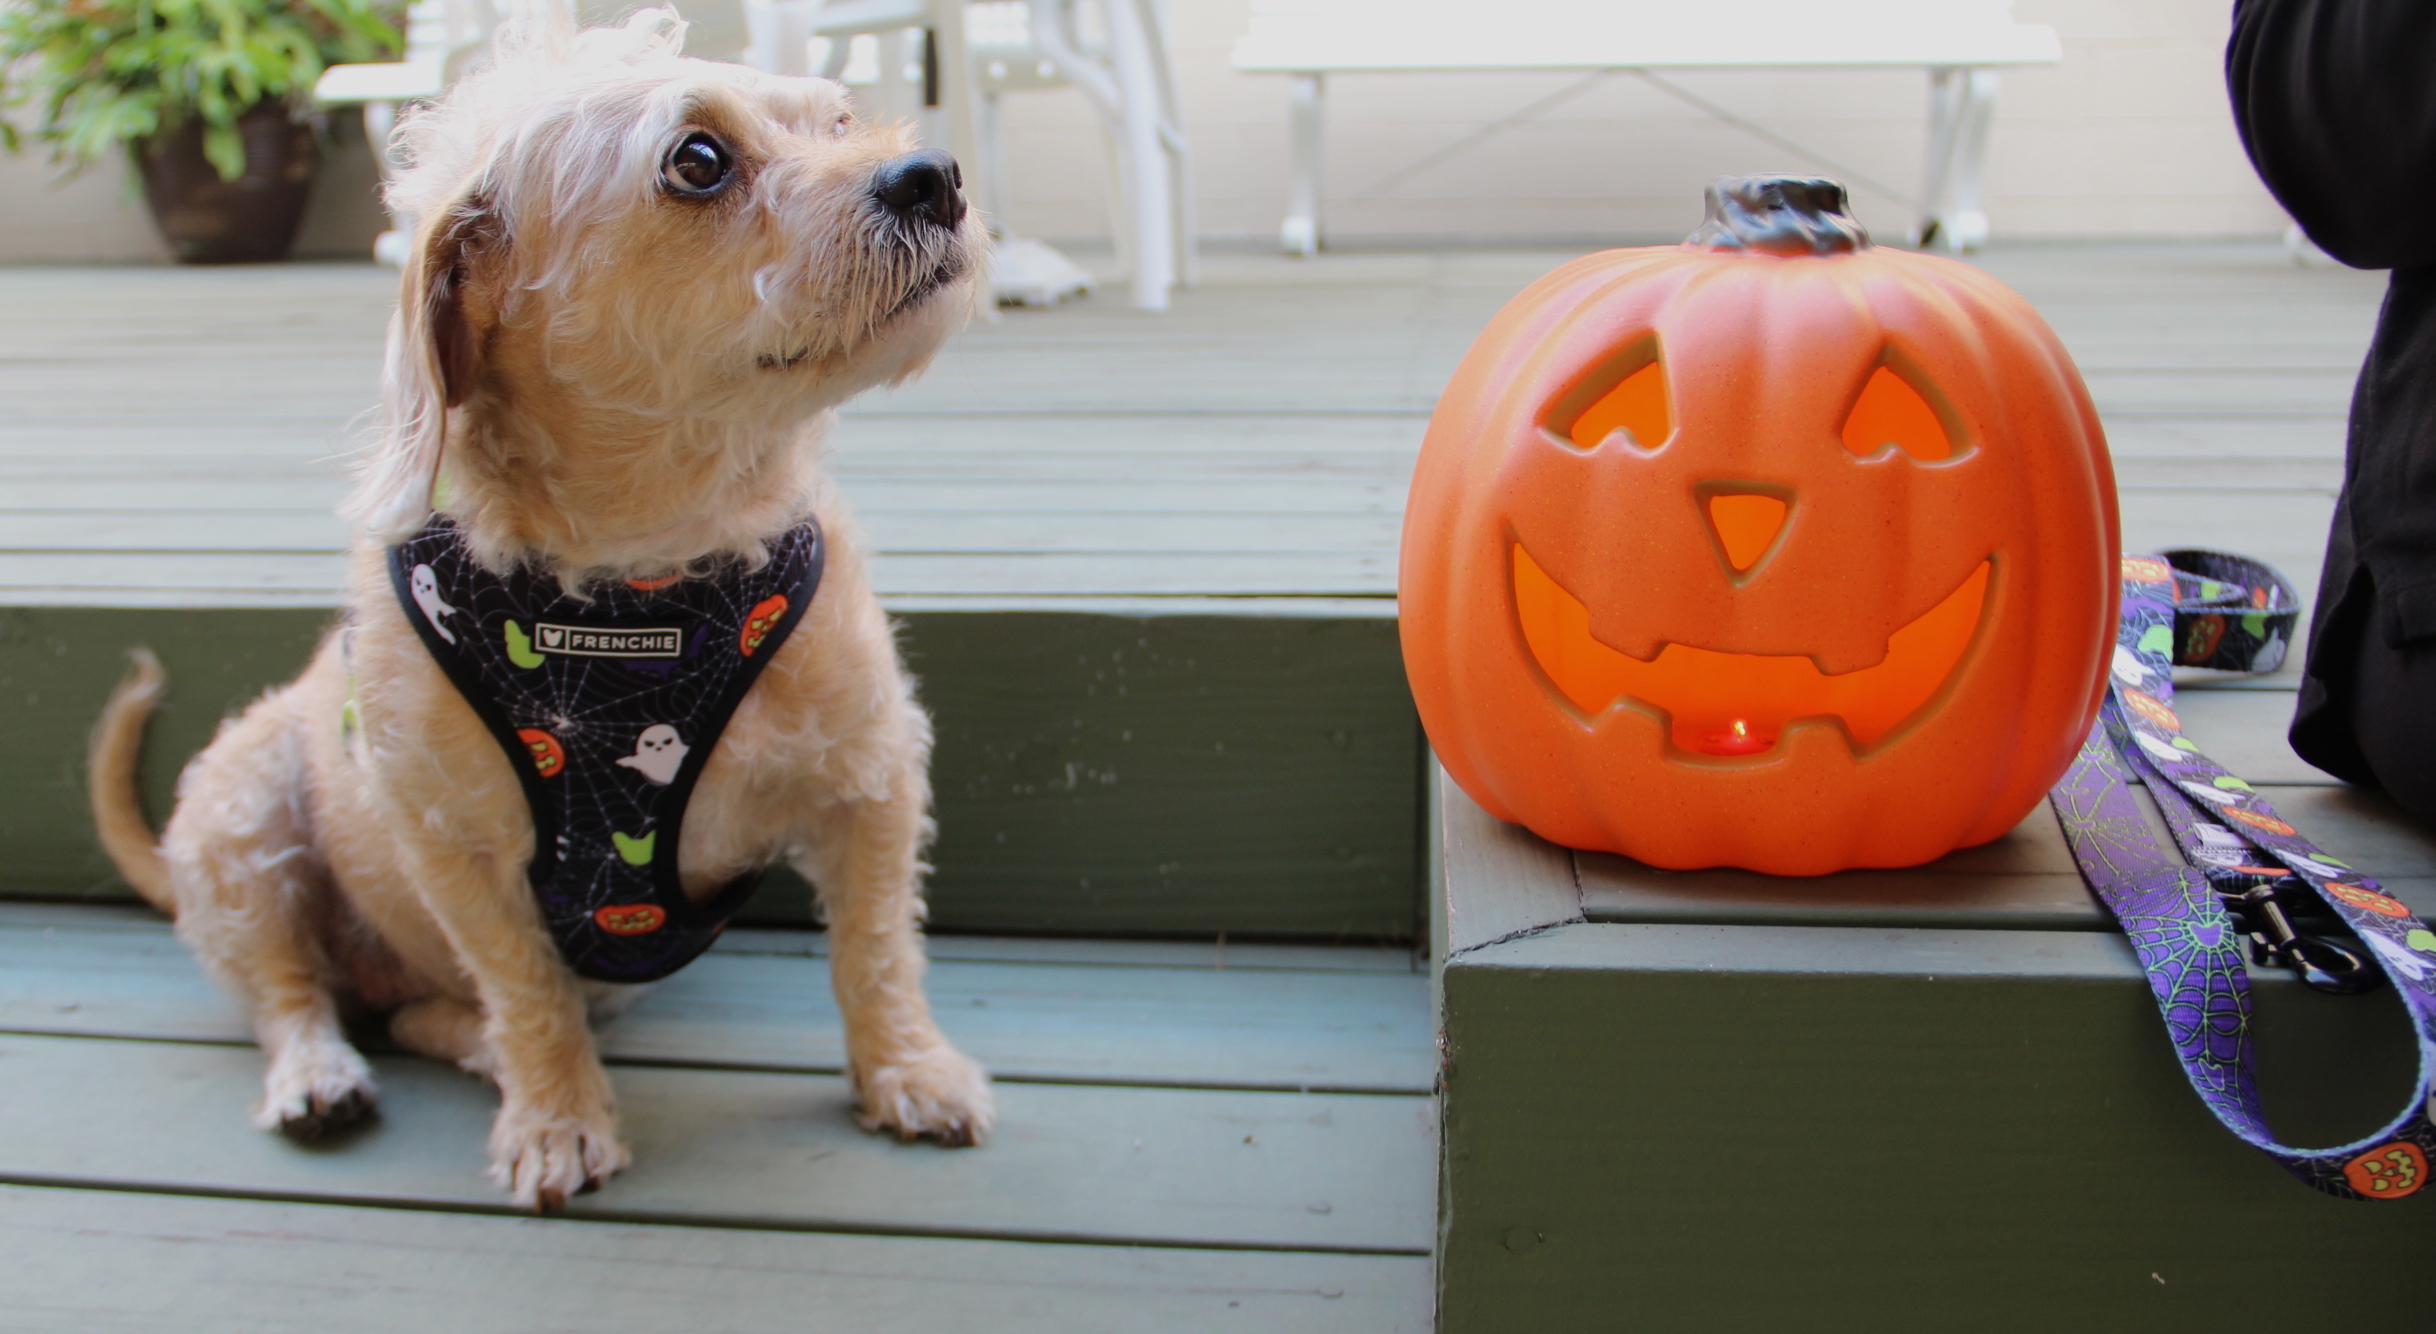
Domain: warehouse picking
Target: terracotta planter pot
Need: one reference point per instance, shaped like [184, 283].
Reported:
[249, 220]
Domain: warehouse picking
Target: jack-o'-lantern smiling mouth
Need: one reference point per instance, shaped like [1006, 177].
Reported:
[1738, 704]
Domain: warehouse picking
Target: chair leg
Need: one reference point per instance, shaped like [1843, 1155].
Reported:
[1307, 109]
[390, 247]
[962, 130]
[1178, 148]
[1149, 198]
[1962, 105]
[1978, 113]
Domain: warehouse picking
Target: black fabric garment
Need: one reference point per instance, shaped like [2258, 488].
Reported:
[2336, 101]
[608, 706]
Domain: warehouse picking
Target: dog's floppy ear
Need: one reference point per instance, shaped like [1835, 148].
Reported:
[433, 362]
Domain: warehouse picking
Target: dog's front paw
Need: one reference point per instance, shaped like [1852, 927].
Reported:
[941, 1094]
[315, 1088]
[543, 1157]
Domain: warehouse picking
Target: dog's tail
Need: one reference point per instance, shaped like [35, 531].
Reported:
[118, 741]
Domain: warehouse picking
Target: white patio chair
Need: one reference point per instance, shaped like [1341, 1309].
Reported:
[443, 37]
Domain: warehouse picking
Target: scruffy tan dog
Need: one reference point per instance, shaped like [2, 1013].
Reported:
[641, 286]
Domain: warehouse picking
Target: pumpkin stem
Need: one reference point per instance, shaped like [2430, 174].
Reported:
[1779, 215]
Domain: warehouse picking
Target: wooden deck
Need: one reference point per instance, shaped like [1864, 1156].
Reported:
[167, 438]
[1147, 569]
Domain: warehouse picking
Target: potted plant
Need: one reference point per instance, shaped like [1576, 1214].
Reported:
[209, 98]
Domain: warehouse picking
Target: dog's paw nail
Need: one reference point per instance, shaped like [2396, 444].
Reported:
[544, 1159]
[942, 1095]
[310, 1094]
[329, 1115]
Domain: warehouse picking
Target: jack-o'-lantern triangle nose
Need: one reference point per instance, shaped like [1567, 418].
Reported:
[1746, 525]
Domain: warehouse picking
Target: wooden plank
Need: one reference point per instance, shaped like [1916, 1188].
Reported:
[89, 1262]
[2026, 880]
[1335, 1029]
[2023, 881]
[1514, 881]
[1221, 955]
[2362, 826]
[2244, 730]
[1920, 1129]
[893, 532]
[1278, 1171]
[2170, 441]
[1159, 774]
[2287, 529]
[226, 579]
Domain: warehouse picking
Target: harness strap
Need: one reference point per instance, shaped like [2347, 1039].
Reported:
[2233, 854]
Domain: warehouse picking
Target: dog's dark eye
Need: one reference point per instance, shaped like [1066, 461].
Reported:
[698, 165]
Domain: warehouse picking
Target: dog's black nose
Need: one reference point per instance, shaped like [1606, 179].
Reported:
[922, 187]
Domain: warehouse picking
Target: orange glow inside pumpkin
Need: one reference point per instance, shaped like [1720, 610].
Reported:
[1891, 412]
[1637, 405]
[1746, 526]
[1734, 704]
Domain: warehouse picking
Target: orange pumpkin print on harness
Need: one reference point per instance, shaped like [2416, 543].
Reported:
[1773, 549]
[548, 756]
[631, 919]
[2389, 1171]
[758, 623]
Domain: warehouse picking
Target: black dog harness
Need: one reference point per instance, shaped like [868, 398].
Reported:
[608, 707]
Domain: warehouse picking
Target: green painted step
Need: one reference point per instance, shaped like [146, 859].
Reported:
[1184, 768]
[1880, 1100]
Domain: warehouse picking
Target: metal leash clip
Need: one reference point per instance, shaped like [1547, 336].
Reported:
[2322, 964]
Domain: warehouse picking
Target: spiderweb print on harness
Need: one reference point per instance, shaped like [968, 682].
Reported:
[608, 705]
[2230, 848]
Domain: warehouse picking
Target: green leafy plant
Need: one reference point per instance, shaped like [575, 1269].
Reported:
[110, 72]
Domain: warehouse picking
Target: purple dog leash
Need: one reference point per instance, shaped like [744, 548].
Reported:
[2238, 871]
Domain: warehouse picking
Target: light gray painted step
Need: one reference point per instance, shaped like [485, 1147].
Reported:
[1274, 1171]
[1073, 1011]
[98, 1262]
[897, 533]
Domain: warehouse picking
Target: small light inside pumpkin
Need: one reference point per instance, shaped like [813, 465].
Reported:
[1737, 739]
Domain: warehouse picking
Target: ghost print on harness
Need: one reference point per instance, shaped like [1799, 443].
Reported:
[608, 706]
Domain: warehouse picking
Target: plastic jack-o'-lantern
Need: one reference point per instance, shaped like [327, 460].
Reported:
[1773, 549]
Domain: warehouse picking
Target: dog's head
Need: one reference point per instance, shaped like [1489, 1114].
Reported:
[603, 222]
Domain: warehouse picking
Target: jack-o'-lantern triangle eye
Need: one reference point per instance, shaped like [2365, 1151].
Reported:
[1892, 412]
[1746, 525]
[1637, 405]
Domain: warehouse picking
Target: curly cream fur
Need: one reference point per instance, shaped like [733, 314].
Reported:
[617, 383]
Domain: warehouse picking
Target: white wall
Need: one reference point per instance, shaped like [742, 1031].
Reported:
[2129, 136]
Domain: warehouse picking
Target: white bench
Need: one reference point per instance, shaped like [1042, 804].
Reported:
[1961, 43]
